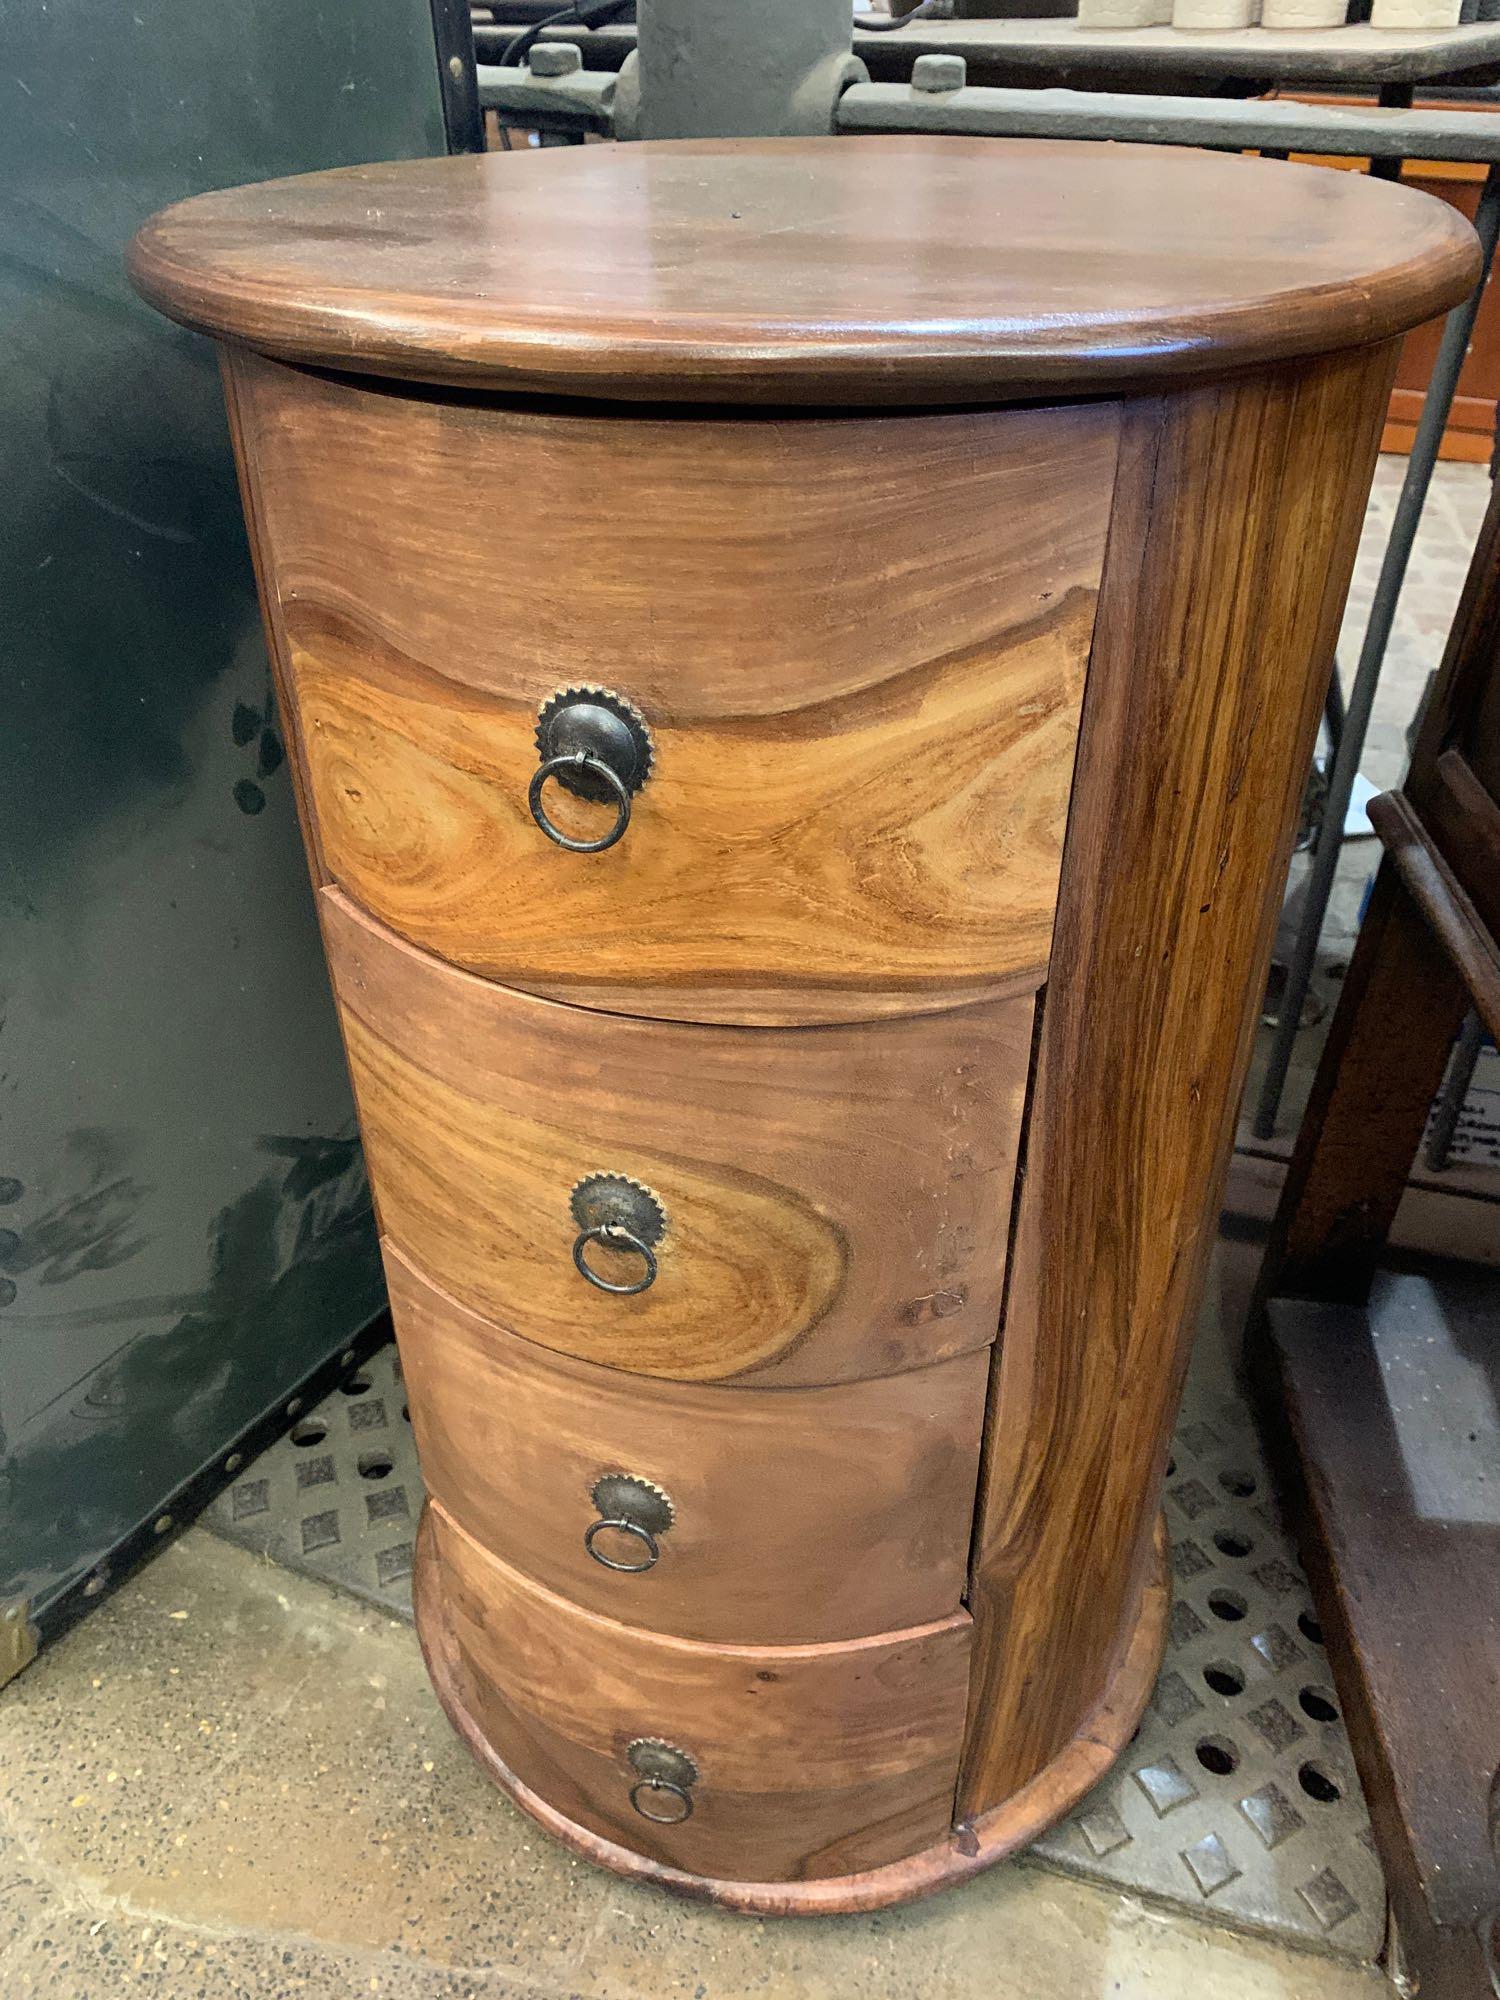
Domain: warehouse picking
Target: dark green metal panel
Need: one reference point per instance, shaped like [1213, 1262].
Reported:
[185, 1226]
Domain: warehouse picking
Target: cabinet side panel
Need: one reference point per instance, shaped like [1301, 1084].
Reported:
[1236, 519]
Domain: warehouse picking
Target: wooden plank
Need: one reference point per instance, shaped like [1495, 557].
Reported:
[1463, 822]
[1400, 1006]
[1443, 901]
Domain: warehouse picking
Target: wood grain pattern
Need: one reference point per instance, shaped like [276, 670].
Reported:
[1462, 819]
[860, 644]
[812, 1760]
[1445, 905]
[800, 1515]
[837, 1198]
[963, 1851]
[861, 666]
[263, 563]
[839, 270]
[1235, 528]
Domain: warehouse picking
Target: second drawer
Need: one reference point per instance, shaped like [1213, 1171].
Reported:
[801, 1205]
[790, 1516]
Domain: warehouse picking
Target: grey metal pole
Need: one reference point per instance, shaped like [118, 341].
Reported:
[740, 68]
[1419, 466]
[1455, 1091]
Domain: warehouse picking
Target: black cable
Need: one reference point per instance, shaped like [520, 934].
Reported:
[885, 24]
[518, 47]
[587, 13]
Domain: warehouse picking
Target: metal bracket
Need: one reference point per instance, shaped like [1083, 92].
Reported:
[19, 1638]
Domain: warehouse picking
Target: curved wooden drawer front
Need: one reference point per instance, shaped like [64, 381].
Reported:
[862, 668]
[836, 1199]
[797, 1515]
[810, 1760]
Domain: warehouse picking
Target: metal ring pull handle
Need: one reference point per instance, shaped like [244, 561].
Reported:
[580, 764]
[595, 744]
[632, 1506]
[622, 1214]
[626, 1527]
[664, 1788]
[616, 1237]
[662, 1773]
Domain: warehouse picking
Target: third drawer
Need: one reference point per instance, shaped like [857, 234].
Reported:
[781, 1517]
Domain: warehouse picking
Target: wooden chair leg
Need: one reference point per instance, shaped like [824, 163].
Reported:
[1388, 1045]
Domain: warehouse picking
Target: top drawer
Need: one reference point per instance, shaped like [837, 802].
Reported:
[857, 643]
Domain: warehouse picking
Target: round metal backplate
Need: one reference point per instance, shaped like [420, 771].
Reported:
[662, 1762]
[605, 725]
[621, 1496]
[614, 1201]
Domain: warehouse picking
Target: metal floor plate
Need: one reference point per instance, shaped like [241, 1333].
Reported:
[338, 1497]
[1238, 1797]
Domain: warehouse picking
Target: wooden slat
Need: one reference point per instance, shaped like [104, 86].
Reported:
[1400, 1005]
[1463, 822]
[1443, 901]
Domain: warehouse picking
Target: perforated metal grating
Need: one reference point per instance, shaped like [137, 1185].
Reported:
[339, 1495]
[1238, 1796]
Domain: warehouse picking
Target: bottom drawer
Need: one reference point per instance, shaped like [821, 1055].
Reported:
[744, 1763]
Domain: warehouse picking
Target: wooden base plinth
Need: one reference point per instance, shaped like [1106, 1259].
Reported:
[970, 1848]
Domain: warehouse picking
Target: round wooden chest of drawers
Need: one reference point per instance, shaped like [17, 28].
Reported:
[799, 660]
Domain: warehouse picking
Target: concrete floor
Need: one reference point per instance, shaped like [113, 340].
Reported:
[229, 1782]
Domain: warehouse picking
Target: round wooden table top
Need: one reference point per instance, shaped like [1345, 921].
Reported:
[837, 271]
